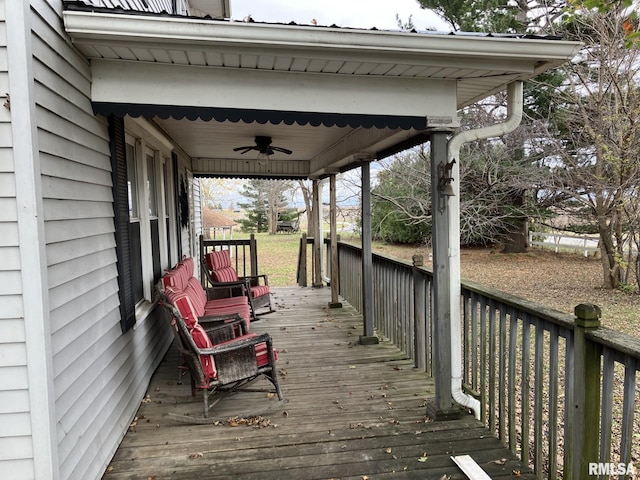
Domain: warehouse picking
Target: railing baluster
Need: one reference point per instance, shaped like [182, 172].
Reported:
[553, 402]
[502, 354]
[569, 388]
[511, 397]
[538, 397]
[483, 357]
[492, 367]
[466, 347]
[606, 408]
[630, 367]
[473, 353]
[526, 389]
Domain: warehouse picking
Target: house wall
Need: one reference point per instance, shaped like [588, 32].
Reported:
[64, 411]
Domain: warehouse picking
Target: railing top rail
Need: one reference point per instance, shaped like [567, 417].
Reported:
[549, 314]
[615, 340]
[554, 316]
[387, 258]
[212, 242]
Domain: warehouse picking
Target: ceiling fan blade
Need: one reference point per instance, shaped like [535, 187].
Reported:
[244, 149]
[283, 150]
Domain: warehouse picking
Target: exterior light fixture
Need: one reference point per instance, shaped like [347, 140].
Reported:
[445, 189]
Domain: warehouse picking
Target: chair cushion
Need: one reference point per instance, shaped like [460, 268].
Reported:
[202, 340]
[175, 279]
[229, 306]
[196, 292]
[227, 274]
[262, 353]
[188, 309]
[259, 290]
[219, 259]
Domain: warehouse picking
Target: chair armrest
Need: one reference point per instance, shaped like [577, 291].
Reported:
[237, 344]
[221, 322]
[228, 287]
[256, 278]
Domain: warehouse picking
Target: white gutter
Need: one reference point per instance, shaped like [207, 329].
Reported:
[514, 116]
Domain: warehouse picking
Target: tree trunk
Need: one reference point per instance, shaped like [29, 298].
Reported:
[308, 204]
[517, 240]
[610, 266]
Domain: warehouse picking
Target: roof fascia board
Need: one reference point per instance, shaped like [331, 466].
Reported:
[172, 31]
[120, 81]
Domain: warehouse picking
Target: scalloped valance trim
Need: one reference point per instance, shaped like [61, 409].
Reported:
[259, 116]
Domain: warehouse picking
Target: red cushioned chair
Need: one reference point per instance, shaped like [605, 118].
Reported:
[222, 357]
[220, 273]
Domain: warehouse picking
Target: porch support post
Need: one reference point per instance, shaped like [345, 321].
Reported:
[586, 394]
[335, 273]
[368, 337]
[442, 283]
[317, 236]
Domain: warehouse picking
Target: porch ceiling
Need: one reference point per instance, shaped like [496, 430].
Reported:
[333, 96]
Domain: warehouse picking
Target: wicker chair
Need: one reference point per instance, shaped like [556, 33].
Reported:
[221, 355]
[220, 273]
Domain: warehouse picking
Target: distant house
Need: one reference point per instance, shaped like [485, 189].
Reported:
[110, 113]
[216, 225]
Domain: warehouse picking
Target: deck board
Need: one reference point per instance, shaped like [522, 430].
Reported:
[350, 412]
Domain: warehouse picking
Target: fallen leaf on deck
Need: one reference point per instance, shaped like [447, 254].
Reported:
[502, 461]
[423, 458]
[388, 450]
[193, 456]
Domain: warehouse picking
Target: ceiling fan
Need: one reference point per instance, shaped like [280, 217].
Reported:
[263, 146]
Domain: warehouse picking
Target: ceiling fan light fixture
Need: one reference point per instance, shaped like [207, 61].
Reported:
[263, 158]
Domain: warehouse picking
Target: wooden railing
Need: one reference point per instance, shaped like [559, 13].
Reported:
[307, 264]
[558, 389]
[244, 253]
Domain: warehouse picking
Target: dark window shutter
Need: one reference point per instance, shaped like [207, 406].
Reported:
[121, 211]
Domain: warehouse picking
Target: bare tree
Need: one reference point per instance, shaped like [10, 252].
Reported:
[598, 133]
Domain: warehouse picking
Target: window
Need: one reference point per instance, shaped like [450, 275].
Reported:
[144, 222]
[135, 245]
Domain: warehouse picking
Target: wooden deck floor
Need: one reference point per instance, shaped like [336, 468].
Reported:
[350, 412]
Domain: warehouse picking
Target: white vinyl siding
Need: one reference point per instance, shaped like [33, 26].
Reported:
[99, 374]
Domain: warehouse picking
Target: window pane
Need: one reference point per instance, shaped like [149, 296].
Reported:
[151, 185]
[132, 184]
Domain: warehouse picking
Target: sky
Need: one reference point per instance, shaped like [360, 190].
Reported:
[344, 13]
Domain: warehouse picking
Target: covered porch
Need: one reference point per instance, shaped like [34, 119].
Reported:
[350, 411]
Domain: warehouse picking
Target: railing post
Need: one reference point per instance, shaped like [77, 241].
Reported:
[419, 315]
[253, 251]
[586, 395]
[302, 261]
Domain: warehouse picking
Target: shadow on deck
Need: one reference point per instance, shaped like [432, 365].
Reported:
[350, 412]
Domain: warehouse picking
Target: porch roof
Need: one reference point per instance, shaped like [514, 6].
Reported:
[334, 96]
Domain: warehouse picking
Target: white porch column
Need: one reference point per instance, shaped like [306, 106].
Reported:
[335, 273]
[442, 275]
[317, 237]
[368, 337]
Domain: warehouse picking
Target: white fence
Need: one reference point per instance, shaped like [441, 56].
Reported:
[585, 244]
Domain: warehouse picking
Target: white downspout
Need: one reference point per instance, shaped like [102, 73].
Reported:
[514, 116]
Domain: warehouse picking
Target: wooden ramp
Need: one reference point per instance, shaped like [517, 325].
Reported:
[350, 412]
